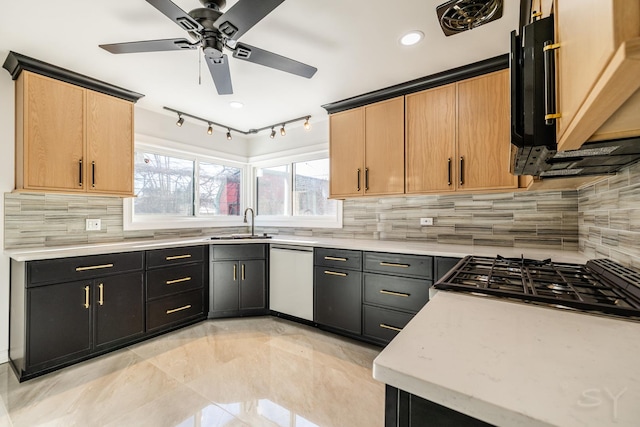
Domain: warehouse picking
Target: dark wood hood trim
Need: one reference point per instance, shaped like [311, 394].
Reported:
[16, 63]
[467, 71]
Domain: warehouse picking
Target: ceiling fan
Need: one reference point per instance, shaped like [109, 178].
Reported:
[213, 31]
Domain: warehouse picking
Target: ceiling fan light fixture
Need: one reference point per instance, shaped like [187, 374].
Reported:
[180, 121]
[273, 133]
[210, 129]
[307, 125]
[282, 131]
[411, 38]
[229, 137]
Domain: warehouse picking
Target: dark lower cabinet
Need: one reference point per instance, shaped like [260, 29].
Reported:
[338, 298]
[442, 265]
[404, 409]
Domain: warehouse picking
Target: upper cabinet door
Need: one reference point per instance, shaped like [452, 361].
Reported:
[431, 140]
[109, 144]
[49, 121]
[384, 147]
[346, 153]
[483, 133]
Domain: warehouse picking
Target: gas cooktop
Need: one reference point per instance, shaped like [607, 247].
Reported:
[601, 286]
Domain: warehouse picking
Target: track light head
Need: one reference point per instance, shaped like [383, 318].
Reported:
[307, 125]
[210, 129]
[282, 131]
[273, 133]
[180, 120]
[229, 134]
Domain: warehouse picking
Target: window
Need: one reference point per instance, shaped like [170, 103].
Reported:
[219, 188]
[296, 195]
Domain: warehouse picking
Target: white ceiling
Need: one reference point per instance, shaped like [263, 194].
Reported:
[353, 43]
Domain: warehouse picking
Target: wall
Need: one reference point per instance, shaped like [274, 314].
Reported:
[544, 220]
[609, 218]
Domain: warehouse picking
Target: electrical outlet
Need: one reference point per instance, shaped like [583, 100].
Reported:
[93, 225]
[426, 221]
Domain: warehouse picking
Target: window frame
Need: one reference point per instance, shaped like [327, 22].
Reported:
[197, 220]
[292, 221]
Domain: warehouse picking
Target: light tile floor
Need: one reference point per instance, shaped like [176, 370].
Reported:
[236, 372]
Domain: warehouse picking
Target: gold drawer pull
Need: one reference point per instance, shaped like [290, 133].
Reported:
[101, 298]
[184, 279]
[391, 264]
[94, 267]
[332, 258]
[334, 273]
[171, 258]
[86, 297]
[184, 307]
[395, 294]
[393, 328]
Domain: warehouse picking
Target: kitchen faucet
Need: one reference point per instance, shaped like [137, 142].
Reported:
[253, 219]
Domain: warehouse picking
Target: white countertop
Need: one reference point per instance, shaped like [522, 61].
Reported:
[418, 248]
[515, 364]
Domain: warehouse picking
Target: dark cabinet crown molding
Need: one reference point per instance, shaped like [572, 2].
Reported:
[445, 77]
[16, 63]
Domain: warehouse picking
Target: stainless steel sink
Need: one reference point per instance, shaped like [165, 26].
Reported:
[241, 237]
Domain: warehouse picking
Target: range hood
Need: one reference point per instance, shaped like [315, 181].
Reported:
[533, 133]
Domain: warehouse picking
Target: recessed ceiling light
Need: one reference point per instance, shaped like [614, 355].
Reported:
[411, 38]
[236, 104]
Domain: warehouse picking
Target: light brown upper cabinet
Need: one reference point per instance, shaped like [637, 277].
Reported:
[366, 150]
[598, 69]
[71, 139]
[458, 137]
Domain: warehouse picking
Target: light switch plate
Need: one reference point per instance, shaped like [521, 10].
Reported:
[426, 221]
[93, 225]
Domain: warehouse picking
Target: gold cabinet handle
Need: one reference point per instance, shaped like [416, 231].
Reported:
[242, 272]
[334, 273]
[391, 264]
[94, 267]
[393, 328]
[171, 258]
[184, 279]
[235, 272]
[332, 258]
[175, 310]
[358, 188]
[86, 297]
[101, 294]
[395, 294]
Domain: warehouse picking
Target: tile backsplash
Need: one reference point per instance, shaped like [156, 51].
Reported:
[609, 218]
[517, 219]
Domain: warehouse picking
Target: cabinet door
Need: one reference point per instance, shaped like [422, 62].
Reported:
[58, 327]
[50, 125]
[346, 153]
[118, 302]
[431, 140]
[109, 144]
[225, 285]
[483, 133]
[338, 298]
[252, 284]
[384, 147]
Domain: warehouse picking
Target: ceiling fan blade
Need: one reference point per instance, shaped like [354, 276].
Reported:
[243, 16]
[272, 60]
[150, 46]
[177, 15]
[219, 68]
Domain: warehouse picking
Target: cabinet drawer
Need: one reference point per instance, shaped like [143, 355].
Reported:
[338, 258]
[80, 268]
[338, 298]
[174, 309]
[238, 251]
[172, 256]
[173, 280]
[396, 292]
[383, 324]
[402, 265]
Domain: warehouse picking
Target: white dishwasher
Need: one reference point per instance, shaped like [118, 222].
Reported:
[291, 280]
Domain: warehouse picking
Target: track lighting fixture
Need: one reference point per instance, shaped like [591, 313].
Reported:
[211, 123]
